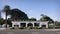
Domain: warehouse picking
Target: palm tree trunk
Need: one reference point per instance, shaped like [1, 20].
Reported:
[0, 14]
[6, 19]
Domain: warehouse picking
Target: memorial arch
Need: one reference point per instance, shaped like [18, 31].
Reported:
[30, 23]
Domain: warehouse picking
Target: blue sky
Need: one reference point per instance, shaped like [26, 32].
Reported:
[34, 8]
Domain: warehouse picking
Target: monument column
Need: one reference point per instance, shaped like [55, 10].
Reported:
[12, 25]
[40, 24]
[47, 25]
[33, 24]
[26, 24]
[19, 24]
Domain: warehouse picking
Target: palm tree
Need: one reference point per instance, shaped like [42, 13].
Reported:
[6, 9]
[0, 14]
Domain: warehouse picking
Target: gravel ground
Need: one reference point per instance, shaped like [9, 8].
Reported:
[32, 31]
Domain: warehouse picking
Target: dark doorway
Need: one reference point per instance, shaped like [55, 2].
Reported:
[23, 24]
[29, 24]
[36, 24]
[43, 26]
[16, 26]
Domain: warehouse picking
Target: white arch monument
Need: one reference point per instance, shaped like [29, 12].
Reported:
[40, 23]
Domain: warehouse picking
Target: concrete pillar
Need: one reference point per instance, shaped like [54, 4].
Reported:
[19, 24]
[40, 25]
[33, 24]
[46, 25]
[12, 25]
[26, 24]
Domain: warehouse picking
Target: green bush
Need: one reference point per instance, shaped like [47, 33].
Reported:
[36, 27]
[30, 27]
[51, 26]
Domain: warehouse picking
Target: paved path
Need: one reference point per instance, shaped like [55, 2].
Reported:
[40, 31]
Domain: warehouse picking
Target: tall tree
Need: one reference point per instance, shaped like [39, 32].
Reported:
[18, 15]
[7, 11]
[46, 18]
[15, 13]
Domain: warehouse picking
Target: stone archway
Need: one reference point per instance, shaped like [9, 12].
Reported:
[29, 24]
[23, 24]
[43, 26]
[16, 25]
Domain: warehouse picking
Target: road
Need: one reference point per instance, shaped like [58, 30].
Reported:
[40, 31]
